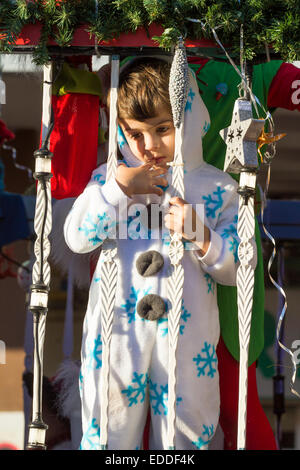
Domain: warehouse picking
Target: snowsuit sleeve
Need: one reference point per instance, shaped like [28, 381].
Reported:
[96, 213]
[221, 258]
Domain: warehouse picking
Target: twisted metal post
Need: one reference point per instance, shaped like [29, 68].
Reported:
[38, 303]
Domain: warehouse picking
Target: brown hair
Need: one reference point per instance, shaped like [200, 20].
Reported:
[144, 89]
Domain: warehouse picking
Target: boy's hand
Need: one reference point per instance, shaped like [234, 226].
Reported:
[141, 180]
[183, 219]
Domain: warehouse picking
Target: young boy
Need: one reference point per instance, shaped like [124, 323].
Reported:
[139, 345]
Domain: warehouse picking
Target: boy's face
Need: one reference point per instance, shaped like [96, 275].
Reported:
[152, 140]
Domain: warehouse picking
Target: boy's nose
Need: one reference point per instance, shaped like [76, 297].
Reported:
[151, 142]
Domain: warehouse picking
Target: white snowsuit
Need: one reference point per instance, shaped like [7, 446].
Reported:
[139, 347]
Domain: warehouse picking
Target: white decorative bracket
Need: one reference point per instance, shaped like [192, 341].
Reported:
[109, 271]
[178, 95]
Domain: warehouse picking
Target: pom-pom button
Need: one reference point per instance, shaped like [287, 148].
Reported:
[149, 263]
[151, 307]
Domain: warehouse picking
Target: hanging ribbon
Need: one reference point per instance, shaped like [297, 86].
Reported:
[16, 164]
[6, 263]
[276, 285]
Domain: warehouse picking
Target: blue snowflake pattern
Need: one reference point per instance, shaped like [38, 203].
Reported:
[231, 233]
[165, 237]
[121, 138]
[206, 127]
[190, 99]
[208, 359]
[205, 438]
[210, 283]
[189, 246]
[137, 392]
[158, 399]
[163, 321]
[99, 178]
[130, 304]
[164, 329]
[105, 226]
[94, 359]
[212, 204]
[101, 228]
[234, 245]
[80, 381]
[91, 438]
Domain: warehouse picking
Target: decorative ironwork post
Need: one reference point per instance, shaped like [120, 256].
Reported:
[39, 291]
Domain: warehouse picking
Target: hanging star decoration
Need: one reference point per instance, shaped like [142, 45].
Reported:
[241, 138]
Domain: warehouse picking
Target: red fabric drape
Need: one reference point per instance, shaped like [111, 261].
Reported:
[284, 91]
[73, 142]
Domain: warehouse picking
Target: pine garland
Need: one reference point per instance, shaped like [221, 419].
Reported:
[276, 22]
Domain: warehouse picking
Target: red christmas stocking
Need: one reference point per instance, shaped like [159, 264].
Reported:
[74, 142]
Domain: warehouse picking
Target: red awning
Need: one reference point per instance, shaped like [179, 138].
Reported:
[31, 33]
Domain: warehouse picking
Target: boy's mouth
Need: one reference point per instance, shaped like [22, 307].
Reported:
[158, 160]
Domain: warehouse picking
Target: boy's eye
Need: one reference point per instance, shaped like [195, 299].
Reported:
[135, 136]
[163, 129]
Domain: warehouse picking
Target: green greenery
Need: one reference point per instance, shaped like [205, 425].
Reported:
[276, 22]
